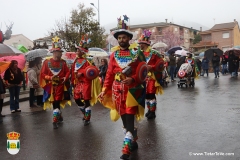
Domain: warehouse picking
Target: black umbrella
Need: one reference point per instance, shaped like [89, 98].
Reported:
[174, 49]
[209, 53]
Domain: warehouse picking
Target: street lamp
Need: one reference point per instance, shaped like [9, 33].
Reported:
[97, 10]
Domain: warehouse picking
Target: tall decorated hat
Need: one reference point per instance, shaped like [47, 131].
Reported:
[83, 44]
[56, 44]
[145, 37]
[122, 27]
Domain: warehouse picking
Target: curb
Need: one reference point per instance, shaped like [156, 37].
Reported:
[23, 96]
[20, 100]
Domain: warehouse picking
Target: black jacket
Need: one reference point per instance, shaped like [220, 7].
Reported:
[215, 61]
[231, 64]
[224, 60]
[13, 78]
[2, 86]
[103, 70]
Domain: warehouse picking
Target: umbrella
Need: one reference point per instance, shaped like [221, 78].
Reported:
[70, 55]
[31, 55]
[20, 59]
[181, 52]
[6, 50]
[174, 49]
[159, 45]
[4, 66]
[234, 50]
[209, 53]
[238, 47]
[201, 54]
[22, 48]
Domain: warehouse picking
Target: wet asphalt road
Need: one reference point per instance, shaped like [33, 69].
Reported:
[189, 120]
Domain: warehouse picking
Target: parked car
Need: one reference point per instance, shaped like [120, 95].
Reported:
[98, 52]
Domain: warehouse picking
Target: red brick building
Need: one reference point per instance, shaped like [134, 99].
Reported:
[223, 36]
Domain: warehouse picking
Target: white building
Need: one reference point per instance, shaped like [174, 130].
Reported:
[19, 39]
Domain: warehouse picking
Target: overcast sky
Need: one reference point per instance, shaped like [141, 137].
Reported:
[34, 18]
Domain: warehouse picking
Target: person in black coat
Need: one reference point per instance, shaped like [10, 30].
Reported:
[103, 69]
[14, 78]
[236, 63]
[231, 64]
[2, 96]
[215, 64]
[224, 64]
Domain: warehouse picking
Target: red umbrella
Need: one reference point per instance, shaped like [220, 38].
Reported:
[236, 51]
[6, 50]
[20, 59]
[70, 55]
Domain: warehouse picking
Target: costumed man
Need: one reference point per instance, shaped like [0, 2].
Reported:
[123, 91]
[85, 81]
[155, 64]
[54, 74]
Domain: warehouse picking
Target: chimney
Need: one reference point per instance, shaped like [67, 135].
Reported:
[200, 29]
[166, 20]
[52, 34]
[235, 20]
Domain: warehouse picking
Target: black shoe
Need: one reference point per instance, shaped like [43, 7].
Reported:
[2, 115]
[125, 156]
[86, 122]
[134, 146]
[33, 106]
[152, 115]
[60, 120]
[148, 112]
[55, 126]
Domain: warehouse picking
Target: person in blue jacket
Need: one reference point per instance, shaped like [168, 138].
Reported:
[205, 65]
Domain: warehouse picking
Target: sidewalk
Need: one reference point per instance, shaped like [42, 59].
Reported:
[23, 105]
[24, 96]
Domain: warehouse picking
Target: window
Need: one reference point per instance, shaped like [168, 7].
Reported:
[176, 29]
[153, 30]
[186, 40]
[225, 35]
[186, 31]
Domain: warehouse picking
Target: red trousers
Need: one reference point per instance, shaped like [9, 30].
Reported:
[150, 86]
[119, 96]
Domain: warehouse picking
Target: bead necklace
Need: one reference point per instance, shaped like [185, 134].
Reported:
[124, 58]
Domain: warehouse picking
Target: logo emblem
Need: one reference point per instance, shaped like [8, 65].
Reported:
[13, 142]
[141, 72]
[159, 67]
[91, 72]
[181, 74]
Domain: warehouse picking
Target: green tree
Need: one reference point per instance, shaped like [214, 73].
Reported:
[80, 23]
[197, 38]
